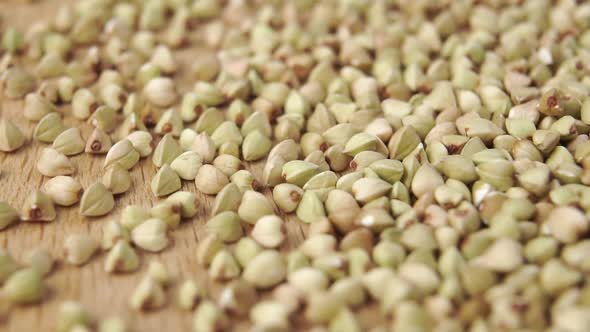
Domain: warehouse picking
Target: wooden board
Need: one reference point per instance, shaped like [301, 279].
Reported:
[101, 293]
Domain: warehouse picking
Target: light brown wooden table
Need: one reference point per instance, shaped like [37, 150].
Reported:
[101, 293]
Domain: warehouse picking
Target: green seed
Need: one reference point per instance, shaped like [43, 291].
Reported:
[112, 324]
[7, 265]
[96, 201]
[121, 258]
[165, 182]
[133, 215]
[117, 179]
[254, 205]
[255, 146]
[49, 127]
[189, 294]
[8, 215]
[187, 165]
[11, 137]
[311, 208]
[209, 318]
[226, 226]
[166, 151]
[17, 82]
[148, 295]
[24, 286]
[207, 249]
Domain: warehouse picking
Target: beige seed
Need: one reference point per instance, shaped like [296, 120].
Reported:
[63, 190]
[269, 231]
[150, 235]
[148, 295]
[142, 142]
[224, 266]
[204, 146]
[167, 211]
[160, 91]
[322, 307]
[208, 317]
[160, 273]
[189, 294]
[163, 59]
[210, 180]
[237, 297]
[66, 88]
[83, 104]
[79, 248]
[266, 269]
[308, 280]
[368, 189]
[189, 204]
[287, 196]
[37, 107]
[112, 232]
[187, 137]
[38, 207]
[504, 255]
[567, 224]
[112, 324]
[121, 258]
[98, 142]
[169, 123]
[228, 164]
[54, 163]
[72, 314]
[270, 314]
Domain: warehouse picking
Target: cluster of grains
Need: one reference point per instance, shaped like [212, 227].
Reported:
[436, 153]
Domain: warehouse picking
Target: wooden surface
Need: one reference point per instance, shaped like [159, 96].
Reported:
[101, 293]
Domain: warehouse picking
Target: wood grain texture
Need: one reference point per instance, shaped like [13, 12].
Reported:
[101, 293]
